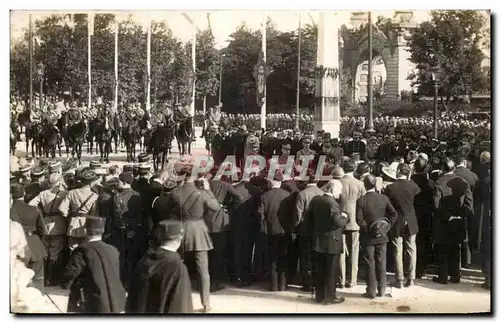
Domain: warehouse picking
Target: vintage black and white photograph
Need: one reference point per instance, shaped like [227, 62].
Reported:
[250, 161]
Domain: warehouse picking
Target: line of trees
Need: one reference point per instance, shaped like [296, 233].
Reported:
[449, 44]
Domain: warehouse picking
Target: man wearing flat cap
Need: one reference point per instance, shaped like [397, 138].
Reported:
[34, 229]
[126, 231]
[375, 216]
[161, 283]
[78, 204]
[93, 274]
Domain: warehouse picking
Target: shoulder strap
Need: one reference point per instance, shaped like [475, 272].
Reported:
[154, 201]
[53, 202]
[84, 202]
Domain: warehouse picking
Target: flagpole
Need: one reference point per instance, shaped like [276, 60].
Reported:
[193, 57]
[30, 48]
[297, 118]
[370, 71]
[117, 29]
[263, 108]
[90, 25]
[148, 99]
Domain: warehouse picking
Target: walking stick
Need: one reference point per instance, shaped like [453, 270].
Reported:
[52, 301]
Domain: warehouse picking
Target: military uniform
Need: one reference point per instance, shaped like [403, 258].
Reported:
[56, 227]
[77, 205]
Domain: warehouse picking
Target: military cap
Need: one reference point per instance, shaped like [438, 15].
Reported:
[95, 164]
[144, 158]
[337, 172]
[169, 184]
[88, 175]
[144, 167]
[126, 177]
[128, 168]
[167, 230]
[16, 190]
[95, 225]
[54, 166]
[25, 168]
[37, 171]
[422, 137]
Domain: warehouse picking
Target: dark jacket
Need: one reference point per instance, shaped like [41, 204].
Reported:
[358, 147]
[33, 226]
[423, 201]
[452, 198]
[93, 272]
[325, 225]
[161, 284]
[128, 210]
[468, 175]
[402, 193]
[271, 207]
[371, 207]
[227, 196]
[163, 209]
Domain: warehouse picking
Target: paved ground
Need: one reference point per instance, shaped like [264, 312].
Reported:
[425, 297]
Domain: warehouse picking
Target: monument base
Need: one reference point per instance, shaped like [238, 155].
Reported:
[333, 127]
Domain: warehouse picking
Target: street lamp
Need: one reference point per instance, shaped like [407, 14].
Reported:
[40, 72]
[435, 85]
[191, 80]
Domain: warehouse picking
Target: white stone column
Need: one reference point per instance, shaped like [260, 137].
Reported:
[327, 109]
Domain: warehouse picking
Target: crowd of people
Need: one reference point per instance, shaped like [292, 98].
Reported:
[128, 239]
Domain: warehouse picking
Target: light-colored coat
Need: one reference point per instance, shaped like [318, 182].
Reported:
[303, 199]
[352, 190]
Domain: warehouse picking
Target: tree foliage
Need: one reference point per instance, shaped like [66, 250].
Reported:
[449, 46]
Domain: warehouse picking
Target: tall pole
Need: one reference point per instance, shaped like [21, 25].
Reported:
[370, 72]
[193, 57]
[435, 116]
[30, 48]
[148, 98]
[220, 78]
[263, 108]
[90, 25]
[297, 117]
[117, 29]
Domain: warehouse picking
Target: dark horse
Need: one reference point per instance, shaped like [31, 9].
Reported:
[131, 134]
[116, 131]
[31, 132]
[183, 136]
[62, 123]
[102, 134]
[145, 133]
[76, 135]
[15, 136]
[50, 139]
[93, 123]
[161, 141]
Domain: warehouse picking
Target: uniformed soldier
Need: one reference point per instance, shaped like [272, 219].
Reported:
[55, 241]
[24, 174]
[55, 167]
[34, 229]
[77, 205]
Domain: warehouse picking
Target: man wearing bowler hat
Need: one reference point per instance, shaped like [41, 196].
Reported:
[375, 216]
[93, 274]
[162, 283]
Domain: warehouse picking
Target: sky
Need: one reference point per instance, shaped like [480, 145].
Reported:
[224, 22]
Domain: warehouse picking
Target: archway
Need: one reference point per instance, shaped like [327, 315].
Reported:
[379, 76]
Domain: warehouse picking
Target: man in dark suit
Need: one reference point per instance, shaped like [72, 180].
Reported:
[453, 203]
[219, 227]
[93, 274]
[245, 228]
[401, 193]
[375, 215]
[34, 228]
[356, 146]
[472, 224]
[127, 234]
[325, 223]
[273, 216]
[424, 209]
